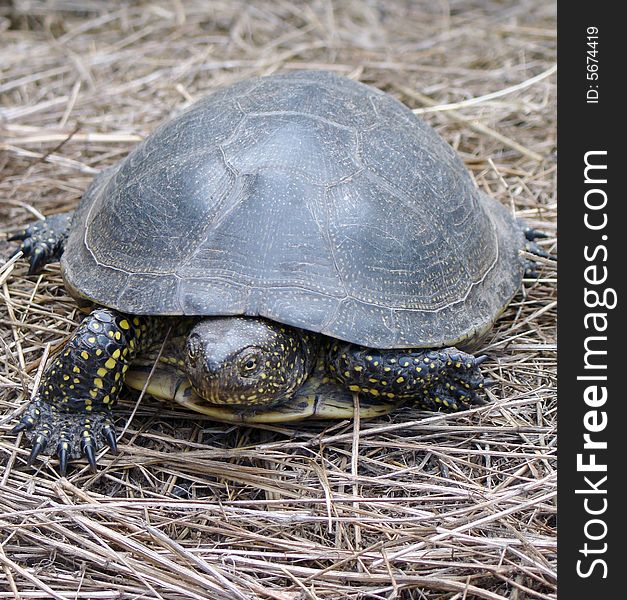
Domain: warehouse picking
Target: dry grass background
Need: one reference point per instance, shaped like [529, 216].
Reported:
[416, 505]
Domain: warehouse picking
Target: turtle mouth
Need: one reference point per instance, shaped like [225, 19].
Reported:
[217, 394]
[230, 412]
[226, 387]
[211, 390]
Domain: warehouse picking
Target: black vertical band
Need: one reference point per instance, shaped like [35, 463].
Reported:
[591, 333]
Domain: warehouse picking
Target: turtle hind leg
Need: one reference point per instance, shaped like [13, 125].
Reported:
[443, 379]
[531, 265]
[43, 241]
[531, 235]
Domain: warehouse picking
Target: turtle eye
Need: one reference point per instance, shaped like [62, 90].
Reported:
[249, 364]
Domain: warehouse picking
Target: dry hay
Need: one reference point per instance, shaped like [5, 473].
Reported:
[417, 505]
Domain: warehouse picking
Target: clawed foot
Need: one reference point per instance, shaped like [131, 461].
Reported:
[531, 267]
[71, 434]
[459, 383]
[71, 414]
[43, 241]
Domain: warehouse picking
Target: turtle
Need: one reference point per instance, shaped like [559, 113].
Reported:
[282, 247]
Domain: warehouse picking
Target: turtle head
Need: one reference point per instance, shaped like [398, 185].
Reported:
[246, 361]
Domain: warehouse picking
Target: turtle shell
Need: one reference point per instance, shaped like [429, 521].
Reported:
[306, 198]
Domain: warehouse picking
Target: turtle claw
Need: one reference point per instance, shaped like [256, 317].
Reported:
[534, 234]
[459, 382]
[110, 437]
[531, 234]
[38, 447]
[530, 270]
[22, 426]
[536, 250]
[68, 434]
[20, 235]
[87, 447]
[29, 419]
[464, 395]
[43, 241]
[64, 455]
[37, 262]
[16, 252]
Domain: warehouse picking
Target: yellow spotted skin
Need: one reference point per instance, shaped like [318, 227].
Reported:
[444, 379]
[248, 363]
[320, 397]
[71, 412]
[100, 330]
[252, 369]
[242, 369]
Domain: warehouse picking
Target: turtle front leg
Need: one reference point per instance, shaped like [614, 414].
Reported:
[443, 379]
[71, 412]
[44, 241]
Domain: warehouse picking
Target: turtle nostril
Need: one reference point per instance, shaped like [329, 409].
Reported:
[193, 348]
[212, 366]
